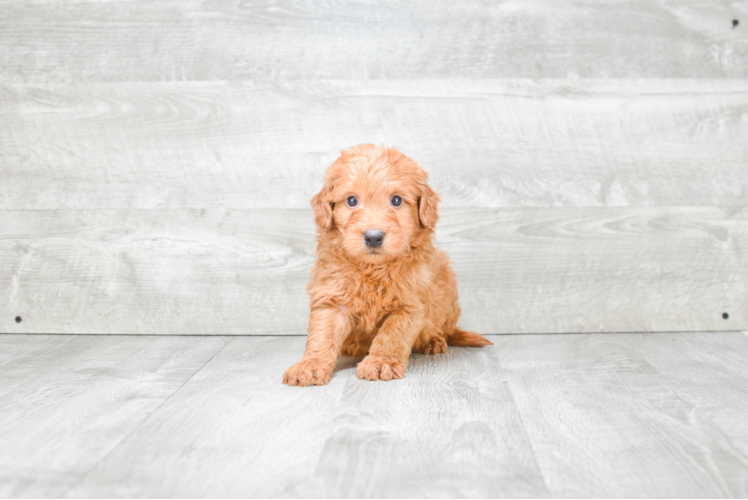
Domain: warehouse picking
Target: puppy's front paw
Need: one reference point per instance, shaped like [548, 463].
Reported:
[308, 372]
[379, 368]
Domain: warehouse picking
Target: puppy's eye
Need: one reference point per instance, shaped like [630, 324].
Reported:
[396, 201]
[352, 201]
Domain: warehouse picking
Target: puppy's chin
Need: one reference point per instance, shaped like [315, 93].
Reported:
[376, 256]
[371, 256]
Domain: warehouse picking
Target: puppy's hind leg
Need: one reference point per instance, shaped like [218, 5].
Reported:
[462, 338]
[328, 328]
[430, 342]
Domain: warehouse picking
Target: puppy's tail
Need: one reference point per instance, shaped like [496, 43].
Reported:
[461, 338]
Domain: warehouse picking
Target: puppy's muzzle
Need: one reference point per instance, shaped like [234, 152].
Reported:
[373, 238]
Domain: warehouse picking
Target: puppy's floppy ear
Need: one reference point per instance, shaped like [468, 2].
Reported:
[428, 212]
[322, 207]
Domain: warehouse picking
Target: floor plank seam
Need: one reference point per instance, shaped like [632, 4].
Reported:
[524, 427]
[132, 431]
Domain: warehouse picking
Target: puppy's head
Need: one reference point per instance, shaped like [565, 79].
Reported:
[375, 203]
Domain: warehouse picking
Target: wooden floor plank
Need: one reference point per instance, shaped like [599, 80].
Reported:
[604, 422]
[450, 429]
[486, 143]
[68, 401]
[223, 272]
[709, 372]
[233, 431]
[23, 347]
[195, 40]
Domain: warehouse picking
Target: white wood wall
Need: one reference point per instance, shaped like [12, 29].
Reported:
[157, 158]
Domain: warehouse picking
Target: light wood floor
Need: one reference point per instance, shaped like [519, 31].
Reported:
[584, 415]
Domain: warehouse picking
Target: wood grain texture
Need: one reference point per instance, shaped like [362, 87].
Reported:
[234, 431]
[449, 429]
[157, 271]
[605, 422]
[68, 401]
[157, 159]
[719, 392]
[495, 143]
[590, 415]
[57, 41]
[245, 271]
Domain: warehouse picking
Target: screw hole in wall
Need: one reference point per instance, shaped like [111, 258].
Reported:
[18, 319]
[725, 316]
[735, 23]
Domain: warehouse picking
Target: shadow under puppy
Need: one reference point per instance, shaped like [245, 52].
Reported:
[379, 288]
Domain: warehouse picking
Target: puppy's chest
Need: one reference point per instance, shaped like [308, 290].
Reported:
[372, 300]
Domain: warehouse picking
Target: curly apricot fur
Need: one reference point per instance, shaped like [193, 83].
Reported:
[386, 301]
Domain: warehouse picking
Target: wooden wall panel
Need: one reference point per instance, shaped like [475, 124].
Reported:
[244, 271]
[175, 40]
[493, 143]
[157, 158]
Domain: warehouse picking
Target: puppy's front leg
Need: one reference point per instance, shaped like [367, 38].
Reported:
[390, 350]
[328, 328]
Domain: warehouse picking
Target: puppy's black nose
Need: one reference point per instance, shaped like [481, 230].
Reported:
[373, 238]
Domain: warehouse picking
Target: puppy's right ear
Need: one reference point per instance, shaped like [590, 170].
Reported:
[322, 207]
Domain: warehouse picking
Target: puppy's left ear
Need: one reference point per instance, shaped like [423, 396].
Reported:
[322, 209]
[428, 210]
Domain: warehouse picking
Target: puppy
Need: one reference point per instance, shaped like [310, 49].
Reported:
[379, 288]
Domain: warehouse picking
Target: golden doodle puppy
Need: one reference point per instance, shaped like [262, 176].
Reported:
[379, 288]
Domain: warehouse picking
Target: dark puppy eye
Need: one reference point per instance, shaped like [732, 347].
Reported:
[396, 201]
[352, 201]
